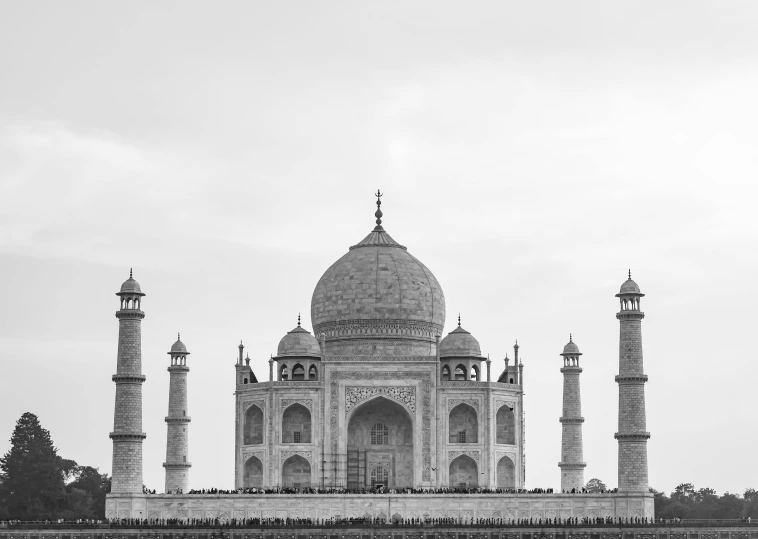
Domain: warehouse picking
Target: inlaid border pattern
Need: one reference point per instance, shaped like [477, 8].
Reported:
[426, 415]
[404, 395]
[452, 455]
[260, 455]
[307, 455]
[452, 403]
[248, 403]
[308, 403]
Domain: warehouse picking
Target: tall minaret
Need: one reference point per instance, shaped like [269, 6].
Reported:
[127, 432]
[177, 440]
[632, 434]
[572, 453]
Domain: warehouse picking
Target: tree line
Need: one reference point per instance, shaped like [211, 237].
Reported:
[38, 484]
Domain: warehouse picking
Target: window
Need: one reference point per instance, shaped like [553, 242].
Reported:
[379, 475]
[462, 437]
[296, 436]
[284, 373]
[379, 434]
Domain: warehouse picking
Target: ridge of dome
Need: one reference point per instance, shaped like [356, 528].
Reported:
[378, 238]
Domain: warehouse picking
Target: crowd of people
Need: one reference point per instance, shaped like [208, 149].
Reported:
[395, 521]
[384, 490]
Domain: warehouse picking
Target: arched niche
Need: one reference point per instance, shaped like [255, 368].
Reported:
[313, 373]
[253, 429]
[505, 426]
[253, 473]
[380, 431]
[298, 372]
[296, 425]
[296, 472]
[463, 425]
[460, 372]
[506, 473]
[464, 473]
[445, 373]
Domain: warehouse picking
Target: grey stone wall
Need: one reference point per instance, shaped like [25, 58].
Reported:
[507, 506]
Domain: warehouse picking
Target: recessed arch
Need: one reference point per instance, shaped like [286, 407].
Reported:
[284, 373]
[463, 425]
[253, 426]
[296, 472]
[505, 426]
[296, 425]
[313, 373]
[380, 431]
[463, 472]
[506, 473]
[253, 473]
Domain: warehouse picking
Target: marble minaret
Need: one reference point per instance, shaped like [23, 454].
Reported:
[177, 440]
[632, 432]
[127, 432]
[572, 452]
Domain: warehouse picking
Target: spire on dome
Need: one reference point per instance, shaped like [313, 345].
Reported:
[378, 213]
[130, 273]
[178, 336]
[298, 319]
[378, 237]
[459, 319]
[571, 337]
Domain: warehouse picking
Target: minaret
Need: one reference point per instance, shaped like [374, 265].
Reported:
[632, 434]
[177, 420]
[127, 432]
[572, 454]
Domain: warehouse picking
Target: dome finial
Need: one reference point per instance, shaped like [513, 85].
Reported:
[459, 319]
[378, 213]
[630, 274]
[298, 319]
[178, 336]
[571, 337]
[130, 273]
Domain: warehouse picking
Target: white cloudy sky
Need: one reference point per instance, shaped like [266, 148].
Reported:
[530, 153]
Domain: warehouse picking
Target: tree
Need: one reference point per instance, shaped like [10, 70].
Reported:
[96, 485]
[595, 485]
[31, 473]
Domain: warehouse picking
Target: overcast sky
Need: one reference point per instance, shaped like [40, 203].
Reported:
[530, 153]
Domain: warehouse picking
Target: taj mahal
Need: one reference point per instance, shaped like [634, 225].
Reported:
[375, 399]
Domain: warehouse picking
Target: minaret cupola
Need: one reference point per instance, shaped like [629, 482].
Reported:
[460, 356]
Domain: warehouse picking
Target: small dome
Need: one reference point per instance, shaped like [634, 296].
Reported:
[460, 343]
[297, 343]
[629, 287]
[178, 347]
[131, 286]
[571, 349]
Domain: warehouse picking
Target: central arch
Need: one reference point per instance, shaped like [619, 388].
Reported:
[379, 440]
